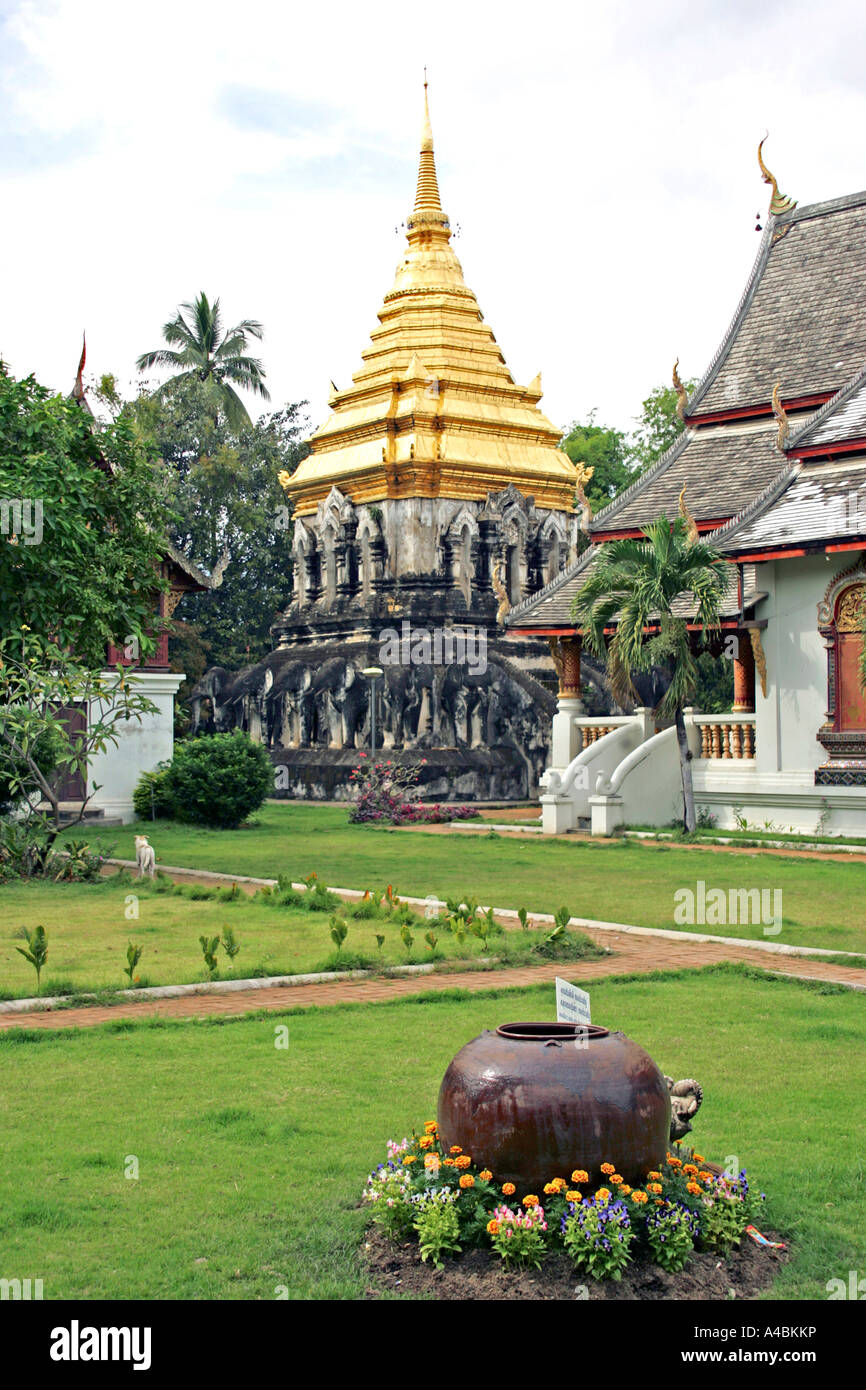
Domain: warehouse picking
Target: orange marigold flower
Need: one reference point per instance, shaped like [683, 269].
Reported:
[608, 1168]
[463, 1161]
[579, 1175]
[625, 1189]
[694, 1188]
[550, 1189]
[653, 1187]
[699, 1158]
[659, 1201]
[639, 1197]
[603, 1194]
[654, 1176]
[449, 1162]
[509, 1189]
[689, 1168]
[410, 1158]
[705, 1177]
[431, 1160]
[675, 1162]
[431, 1127]
[493, 1227]
[467, 1180]
[573, 1196]
[455, 1149]
[426, 1141]
[616, 1179]
[531, 1200]
[485, 1175]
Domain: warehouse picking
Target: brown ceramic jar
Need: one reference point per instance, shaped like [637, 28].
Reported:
[535, 1101]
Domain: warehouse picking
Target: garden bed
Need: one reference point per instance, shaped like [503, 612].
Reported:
[479, 1275]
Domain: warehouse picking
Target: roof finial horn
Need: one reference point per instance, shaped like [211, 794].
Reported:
[778, 201]
[682, 394]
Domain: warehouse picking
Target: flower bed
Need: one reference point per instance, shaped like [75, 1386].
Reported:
[387, 791]
[674, 1227]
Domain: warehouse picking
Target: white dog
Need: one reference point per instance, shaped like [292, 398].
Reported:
[145, 856]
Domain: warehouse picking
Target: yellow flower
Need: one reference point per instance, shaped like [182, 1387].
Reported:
[559, 1184]
[431, 1127]
[607, 1169]
[694, 1188]
[531, 1200]
[455, 1149]
[449, 1162]
[656, 1177]
[615, 1179]
[654, 1187]
[485, 1175]
[639, 1197]
[426, 1141]
[463, 1161]
[603, 1194]
[550, 1190]
[467, 1180]
[410, 1158]
[508, 1189]
[625, 1189]
[573, 1196]
[579, 1175]
[493, 1227]
[431, 1160]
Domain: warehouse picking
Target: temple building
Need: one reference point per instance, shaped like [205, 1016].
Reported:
[772, 467]
[434, 497]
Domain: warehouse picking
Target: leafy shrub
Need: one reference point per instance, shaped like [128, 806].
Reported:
[151, 798]
[387, 792]
[437, 1225]
[219, 780]
[671, 1233]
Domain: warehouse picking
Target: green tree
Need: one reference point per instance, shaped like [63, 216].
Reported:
[232, 518]
[83, 512]
[658, 425]
[199, 350]
[606, 451]
[632, 587]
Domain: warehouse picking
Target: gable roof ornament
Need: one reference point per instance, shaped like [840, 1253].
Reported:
[779, 412]
[682, 394]
[691, 524]
[779, 203]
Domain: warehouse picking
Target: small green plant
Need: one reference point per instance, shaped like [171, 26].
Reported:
[209, 948]
[597, 1235]
[518, 1236]
[36, 952]
[133, 956]
[380, 940]
[229, 944]
[438, 1226]
[339, 931]
[523, 917]
[406, 937]
[671, 1234]
[432, 939]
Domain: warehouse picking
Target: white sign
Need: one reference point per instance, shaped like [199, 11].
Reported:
[572, 1004]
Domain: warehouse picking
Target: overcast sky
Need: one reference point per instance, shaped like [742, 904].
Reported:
[599, 159]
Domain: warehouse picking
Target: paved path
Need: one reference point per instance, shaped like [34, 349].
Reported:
[634, 954]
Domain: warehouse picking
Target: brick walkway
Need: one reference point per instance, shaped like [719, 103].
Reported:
[634, 954]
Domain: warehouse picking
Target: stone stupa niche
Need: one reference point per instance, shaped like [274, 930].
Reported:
[434, 496]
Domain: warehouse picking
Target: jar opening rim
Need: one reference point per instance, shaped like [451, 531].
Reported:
[545, 1032]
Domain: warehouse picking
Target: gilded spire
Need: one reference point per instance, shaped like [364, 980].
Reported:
[778, 202]
[427, 193]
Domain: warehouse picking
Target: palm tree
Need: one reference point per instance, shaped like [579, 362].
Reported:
[632, 587]
[199, 350]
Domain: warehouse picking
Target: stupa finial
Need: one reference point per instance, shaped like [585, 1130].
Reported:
[427, 193]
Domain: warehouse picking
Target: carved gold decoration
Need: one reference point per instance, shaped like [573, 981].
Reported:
[500, 592]
[583, 476]
[172, 599]
[692, 531]
[491, 430]
[778, 202]
[760, 659]
[827, 606]
[779, 412]
[682, 395]
[851, 609]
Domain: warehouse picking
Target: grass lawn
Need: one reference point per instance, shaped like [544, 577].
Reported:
[88, 932]
[630, 882]
[251, 1158]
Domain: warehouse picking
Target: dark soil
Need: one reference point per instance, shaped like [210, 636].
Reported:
[479, 1274]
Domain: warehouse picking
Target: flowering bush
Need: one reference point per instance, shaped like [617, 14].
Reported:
[387, 791]
[452, 1203]
[518, 1236]
[671, 1232]
[597, 1234]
